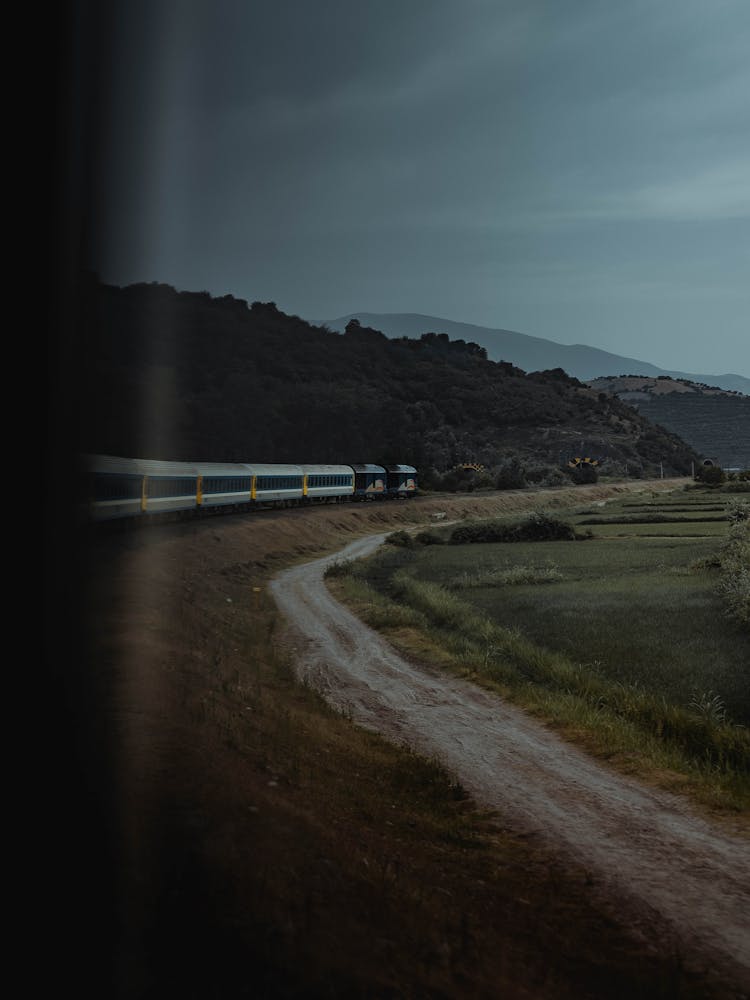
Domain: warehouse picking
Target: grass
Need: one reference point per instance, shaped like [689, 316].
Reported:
[626, 646]
[507, 575]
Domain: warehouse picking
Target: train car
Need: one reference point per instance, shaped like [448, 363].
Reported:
[224, 484]
[123, 487]
[369, 482]
[328, 482]
[277, 484]
[401, 480]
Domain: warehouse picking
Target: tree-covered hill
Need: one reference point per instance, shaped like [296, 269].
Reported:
[186, 376]
[714, 421]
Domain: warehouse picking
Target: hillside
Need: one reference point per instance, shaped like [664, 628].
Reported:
[530, 353]
[185, 376]
[714, 421]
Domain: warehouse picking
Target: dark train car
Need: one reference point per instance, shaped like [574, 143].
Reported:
[370, 482]
[401, 480]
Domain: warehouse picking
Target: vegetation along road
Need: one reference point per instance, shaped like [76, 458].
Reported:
[672, 869]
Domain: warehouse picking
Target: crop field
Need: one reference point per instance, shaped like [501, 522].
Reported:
[617, 633]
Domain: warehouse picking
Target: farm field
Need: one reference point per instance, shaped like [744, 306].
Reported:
[621, 638]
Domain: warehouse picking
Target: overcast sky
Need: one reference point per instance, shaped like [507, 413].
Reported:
[571, 169]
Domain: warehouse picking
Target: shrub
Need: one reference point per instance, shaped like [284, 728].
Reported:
[401, 538]
[511, 475]
[710, 475]
[338, 569]
[583, 474]
[429, 538]
[738, 510]
[537, 527]
[734, 586]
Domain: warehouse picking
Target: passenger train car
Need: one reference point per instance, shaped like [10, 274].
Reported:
[129, 487]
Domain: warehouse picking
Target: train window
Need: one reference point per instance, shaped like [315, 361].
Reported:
[226, 484]
[279, 482]
[317, 482]
[117, 486]
[163, 488]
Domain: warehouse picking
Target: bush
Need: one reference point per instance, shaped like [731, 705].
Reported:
[511, 476]
[583, 474]
[738, 510]
[401, 538]
[537, 527]
[429, 538]
[734, 587]
[338, 569]
[710, 475]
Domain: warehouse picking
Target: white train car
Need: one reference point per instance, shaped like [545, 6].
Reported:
[222, 484]
[123, 487]
[277, 484]
[328, 482]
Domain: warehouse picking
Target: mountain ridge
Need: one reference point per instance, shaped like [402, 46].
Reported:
[529, 352]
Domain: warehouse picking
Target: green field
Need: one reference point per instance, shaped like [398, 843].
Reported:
[633, 612]
[622, 635]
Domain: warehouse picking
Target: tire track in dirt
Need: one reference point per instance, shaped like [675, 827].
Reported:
[673, 873]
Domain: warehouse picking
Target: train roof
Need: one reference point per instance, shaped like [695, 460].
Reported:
[267, 469]
[222, 469]
[327, 470]
[139, 466]
[247, 469]
[154, 467]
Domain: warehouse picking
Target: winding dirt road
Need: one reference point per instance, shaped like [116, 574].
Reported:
[672, 873]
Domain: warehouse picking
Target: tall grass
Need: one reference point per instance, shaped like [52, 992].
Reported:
[509, 657]
[508, 575]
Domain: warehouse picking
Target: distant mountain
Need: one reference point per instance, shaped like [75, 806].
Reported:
[529, 353]
[715, 422]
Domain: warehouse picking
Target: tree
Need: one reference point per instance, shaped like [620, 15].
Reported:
[710, 475]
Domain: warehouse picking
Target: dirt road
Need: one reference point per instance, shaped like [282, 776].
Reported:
[674, 874]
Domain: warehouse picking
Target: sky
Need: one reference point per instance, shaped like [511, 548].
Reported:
[577, 170]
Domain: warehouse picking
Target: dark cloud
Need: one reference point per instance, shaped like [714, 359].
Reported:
[577, 171]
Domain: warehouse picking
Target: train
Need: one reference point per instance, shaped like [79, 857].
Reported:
[142, 488]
